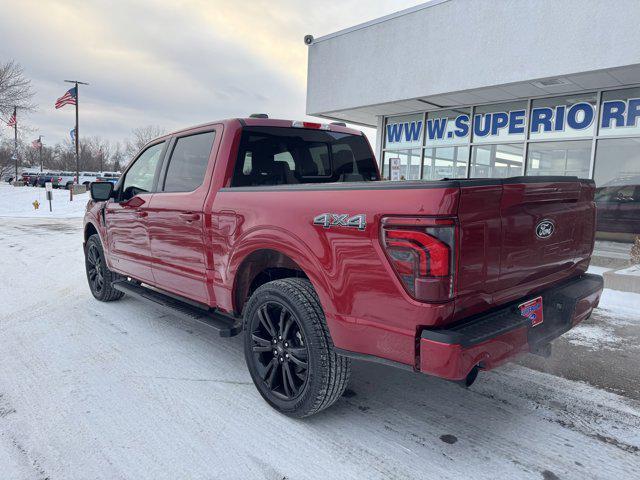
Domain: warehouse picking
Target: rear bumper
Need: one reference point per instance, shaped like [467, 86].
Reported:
[491, 339]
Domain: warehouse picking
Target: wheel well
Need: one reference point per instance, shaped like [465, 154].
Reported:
[260, 267]
[88, 231]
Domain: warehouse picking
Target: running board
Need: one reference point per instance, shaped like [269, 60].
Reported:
[224, 325]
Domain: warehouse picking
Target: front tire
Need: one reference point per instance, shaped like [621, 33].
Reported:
[288, 349]
[98, 275]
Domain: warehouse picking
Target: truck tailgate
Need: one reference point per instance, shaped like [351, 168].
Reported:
[520, 235]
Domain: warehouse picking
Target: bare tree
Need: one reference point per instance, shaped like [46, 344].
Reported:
[15, 88]
[140, 137]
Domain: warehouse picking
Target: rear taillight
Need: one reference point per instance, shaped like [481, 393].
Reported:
[421, 251]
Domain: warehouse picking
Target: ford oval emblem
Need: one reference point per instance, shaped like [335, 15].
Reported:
[545, 229]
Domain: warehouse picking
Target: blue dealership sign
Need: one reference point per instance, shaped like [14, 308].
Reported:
[556, 122]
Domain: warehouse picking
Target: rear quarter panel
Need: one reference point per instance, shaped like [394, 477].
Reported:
[367, 309]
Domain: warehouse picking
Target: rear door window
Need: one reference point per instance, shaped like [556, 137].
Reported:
[188, 162]
[281, 156]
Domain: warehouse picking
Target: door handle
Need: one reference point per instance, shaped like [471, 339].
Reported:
[189, 217]
[142, 214]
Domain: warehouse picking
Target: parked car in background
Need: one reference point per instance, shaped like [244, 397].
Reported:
[65, 179]
[29, 178]
[47, 177]
[618, 206]
[87, 177]
[112, 177]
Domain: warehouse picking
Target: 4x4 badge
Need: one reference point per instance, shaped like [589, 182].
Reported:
[328, 220]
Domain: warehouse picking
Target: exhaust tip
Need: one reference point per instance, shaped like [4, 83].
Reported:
[470, 378]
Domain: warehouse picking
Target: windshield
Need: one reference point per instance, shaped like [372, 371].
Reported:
[280, 156]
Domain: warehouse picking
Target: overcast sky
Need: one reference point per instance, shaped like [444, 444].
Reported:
[169, 63]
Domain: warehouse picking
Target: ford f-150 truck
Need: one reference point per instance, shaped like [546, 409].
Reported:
[285, 231]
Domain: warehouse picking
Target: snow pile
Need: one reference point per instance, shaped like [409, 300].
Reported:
[18, 202]
[620, 304]
[633, 270]
[594, 269]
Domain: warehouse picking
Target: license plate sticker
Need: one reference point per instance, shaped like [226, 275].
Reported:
[532, 310]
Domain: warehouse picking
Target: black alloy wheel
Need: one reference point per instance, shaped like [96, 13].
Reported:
[99, 276]
[280, 351]
[95, 269]
[289, 350]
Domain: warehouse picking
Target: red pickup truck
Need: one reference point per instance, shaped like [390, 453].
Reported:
[284, 230]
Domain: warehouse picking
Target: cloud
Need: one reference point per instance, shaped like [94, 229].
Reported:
[174, 63]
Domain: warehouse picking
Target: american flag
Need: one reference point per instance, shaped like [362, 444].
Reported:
[72, 134]
[37, 143]
[12, 121]
[69, 98]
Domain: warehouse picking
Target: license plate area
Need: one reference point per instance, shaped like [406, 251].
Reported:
[532, 310]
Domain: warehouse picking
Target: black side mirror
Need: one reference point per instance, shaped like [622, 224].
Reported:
[101, 191]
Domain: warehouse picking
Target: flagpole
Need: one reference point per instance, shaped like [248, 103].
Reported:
[76, 83]
[77, 136]
[40, 144]
[15, 140]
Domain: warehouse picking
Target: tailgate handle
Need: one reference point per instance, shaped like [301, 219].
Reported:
[189, 216]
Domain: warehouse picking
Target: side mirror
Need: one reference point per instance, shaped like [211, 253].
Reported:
[101, 191]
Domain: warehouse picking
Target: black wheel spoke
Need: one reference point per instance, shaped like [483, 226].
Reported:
[287, 326]
[262, 342]
[263, 314]
[272, 373]
[285, 381]
[297, 361]
[289, 380]
[283, 314]
[268, 369]
[298, 352]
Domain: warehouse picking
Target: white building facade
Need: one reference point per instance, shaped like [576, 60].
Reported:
[470, 88]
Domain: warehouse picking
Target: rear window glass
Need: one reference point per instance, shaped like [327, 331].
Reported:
[188, 162]
[280, 156]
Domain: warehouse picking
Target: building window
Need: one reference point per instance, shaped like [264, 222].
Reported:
[401, 165]
[445, 162]
[403, 132]
[500, 123]
[496, 161]
[448, 127]
[559, 118]
[617, 162]
[559, 158]
[620, 113]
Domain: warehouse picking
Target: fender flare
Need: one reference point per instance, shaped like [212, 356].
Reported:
[286, 243]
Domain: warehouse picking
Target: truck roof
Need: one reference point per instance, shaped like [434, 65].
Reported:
[270, 122]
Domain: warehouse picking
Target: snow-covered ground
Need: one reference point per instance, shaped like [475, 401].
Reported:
[18, 202]
[123, 390]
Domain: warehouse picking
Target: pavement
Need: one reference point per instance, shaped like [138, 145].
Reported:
[123, 390]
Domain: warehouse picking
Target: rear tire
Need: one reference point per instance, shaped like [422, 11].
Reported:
[99, 276]
[288, 349]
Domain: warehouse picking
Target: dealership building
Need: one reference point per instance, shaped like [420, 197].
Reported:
[462, 88]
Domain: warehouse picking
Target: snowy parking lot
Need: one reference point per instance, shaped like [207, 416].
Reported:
[124, 390]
